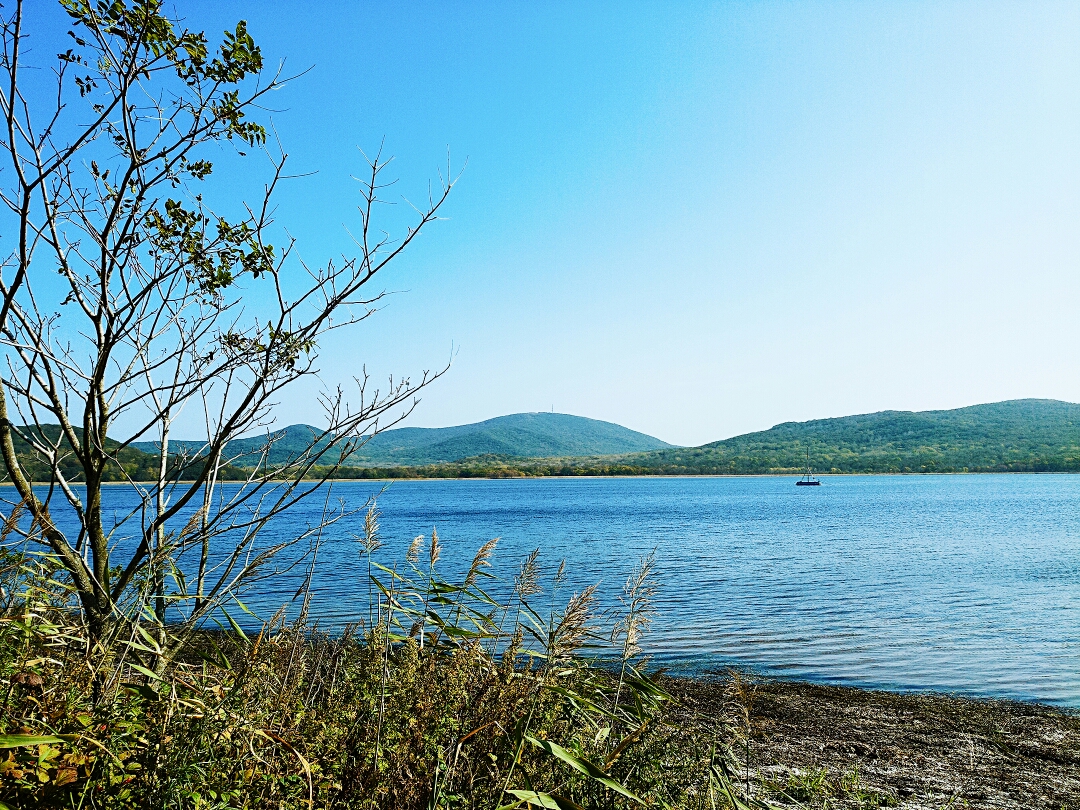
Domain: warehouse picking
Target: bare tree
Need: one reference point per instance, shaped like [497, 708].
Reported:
[120, 307]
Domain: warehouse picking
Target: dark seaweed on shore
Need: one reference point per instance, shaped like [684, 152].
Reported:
[825, 746]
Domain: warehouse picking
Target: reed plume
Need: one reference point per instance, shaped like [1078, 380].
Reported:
[413, 554]
[194, 522]
[371, 541]
[435, 549]
[480, 561]
[637, 598]
[573, 628]
[527, 581]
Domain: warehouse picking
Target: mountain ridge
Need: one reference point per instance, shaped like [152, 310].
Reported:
[522, 436]
[1028, 435]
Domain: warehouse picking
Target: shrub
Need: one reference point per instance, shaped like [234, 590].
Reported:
[446, 698]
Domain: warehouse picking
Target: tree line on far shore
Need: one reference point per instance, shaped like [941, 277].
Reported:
[1022, 436]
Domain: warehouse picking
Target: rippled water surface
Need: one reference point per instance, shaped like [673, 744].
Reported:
[959, 583]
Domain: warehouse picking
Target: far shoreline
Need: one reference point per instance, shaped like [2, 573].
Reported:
[684, 475]
[606, 477]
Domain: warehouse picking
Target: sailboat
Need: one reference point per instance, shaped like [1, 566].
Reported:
[808, 480]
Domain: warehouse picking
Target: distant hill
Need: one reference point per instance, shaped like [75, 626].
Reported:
[518, 436]
[128, 464]
[1023, 435]
[132, 463]
[1029, 435]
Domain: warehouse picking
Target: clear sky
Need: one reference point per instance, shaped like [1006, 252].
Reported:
[698, 220]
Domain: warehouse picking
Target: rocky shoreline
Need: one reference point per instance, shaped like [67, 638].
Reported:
[827, 746]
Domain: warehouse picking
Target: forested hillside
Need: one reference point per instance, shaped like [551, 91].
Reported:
[1027, 435]
[522, 435]
[129, 463]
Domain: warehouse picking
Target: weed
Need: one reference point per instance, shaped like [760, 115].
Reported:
[446, 698]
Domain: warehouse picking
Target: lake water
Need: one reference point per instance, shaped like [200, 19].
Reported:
[963, 583]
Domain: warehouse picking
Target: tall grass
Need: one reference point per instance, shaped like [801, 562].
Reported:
[442, 697]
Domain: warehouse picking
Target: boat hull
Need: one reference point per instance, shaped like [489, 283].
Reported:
[808, 483]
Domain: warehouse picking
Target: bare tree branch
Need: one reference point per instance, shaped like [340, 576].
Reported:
[126, 300]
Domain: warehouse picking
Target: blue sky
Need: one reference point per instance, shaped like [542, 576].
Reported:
[697, 220]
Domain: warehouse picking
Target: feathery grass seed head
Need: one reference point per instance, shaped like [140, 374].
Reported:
[12, 520]
[435, 550]
[527, 582]
[481, 560]
[413, 554]
[574, 625]
[637, 598]
[371, 528]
